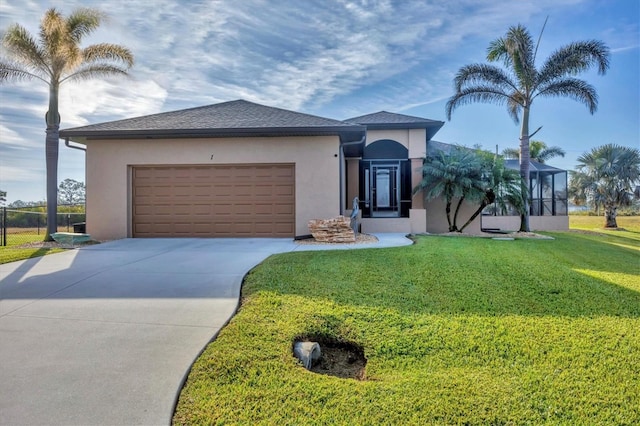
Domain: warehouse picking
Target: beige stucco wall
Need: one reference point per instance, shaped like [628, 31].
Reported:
[536, 223]
[353, 180]
[413, 139]
[389, 224]
[108, 165]
[437, 216]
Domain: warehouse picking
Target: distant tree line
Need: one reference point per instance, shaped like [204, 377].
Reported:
[32, 214]
[20, 215]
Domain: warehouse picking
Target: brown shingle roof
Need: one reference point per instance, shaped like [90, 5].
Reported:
[384, 120]
[234, 118]
[384, 117]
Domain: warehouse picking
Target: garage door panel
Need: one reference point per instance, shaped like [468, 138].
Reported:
[283, 209]
[214, 201]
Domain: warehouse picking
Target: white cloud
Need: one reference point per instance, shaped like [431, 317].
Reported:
[116, 99]
[337, 58]
[12, 139]
[22, 174]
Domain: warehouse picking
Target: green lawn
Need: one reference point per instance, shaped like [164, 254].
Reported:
[455, 331]
[597, 222]
[17, 237]
[12, 254]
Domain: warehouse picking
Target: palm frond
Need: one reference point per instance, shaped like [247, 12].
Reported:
[548, 153]
[10, 71]
[482, 73]
[516, 49]
[82, 22]
[486, 94]
[52, 34]
[573, 88]
[497, 51]
[575, 58]
[108, 52]
[20, 47]
[95, 70]
[514, 105]
[511, 153]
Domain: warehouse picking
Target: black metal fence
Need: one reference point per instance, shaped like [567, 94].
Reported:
[26, 225]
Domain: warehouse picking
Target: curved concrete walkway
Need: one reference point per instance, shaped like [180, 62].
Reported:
[105, 334]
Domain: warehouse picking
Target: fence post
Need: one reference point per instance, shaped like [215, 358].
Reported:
[4, 226]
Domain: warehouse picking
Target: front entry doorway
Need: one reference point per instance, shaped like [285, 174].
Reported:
[385, 190]
[385, 180]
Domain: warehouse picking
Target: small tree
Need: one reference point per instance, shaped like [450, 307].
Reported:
[538, 151]
[500, 185]
[453, 175]
[71, 192]
[606, 177]
[469, 175]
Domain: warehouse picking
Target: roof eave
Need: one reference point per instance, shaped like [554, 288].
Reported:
[203, 133]
[393, 126]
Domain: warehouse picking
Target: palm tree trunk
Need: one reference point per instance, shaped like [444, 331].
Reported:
[52, 143]
[610, 214]
[474, 215]
[489, 198]
[448, 210]
[455, 215]
[524, 166]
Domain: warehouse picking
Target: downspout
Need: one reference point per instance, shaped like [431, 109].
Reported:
[341, 167]
[67, 143]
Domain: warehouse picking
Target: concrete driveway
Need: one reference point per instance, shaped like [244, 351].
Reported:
[106, 334]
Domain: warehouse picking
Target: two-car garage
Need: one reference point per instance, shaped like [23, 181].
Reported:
[235, 200]
[233, 169]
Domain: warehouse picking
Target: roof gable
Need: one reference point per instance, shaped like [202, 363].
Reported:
[384, 120]
[384, 117]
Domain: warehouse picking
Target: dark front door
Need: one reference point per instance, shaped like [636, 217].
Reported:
[385, 190]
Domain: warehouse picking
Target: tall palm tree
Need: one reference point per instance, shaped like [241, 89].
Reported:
[54, 58]
[520, 83]
[538, 151]
[606, 177]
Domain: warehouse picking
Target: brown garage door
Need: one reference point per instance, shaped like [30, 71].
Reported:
[248, 200]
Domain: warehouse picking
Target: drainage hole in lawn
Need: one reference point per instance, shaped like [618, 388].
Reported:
[334, 357]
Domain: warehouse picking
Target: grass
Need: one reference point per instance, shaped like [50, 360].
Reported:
[17, 237]
[10, 254]
[596, 223]
[455, 331]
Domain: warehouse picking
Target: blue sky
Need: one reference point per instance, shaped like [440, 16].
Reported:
[334, 58]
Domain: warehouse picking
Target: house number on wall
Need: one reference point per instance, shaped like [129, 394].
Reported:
[212, 156]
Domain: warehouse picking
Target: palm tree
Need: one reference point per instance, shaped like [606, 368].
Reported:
[521, 82]
[606, 177]
[454, 175]
[500, 185]
[55, 58]
[538, 151]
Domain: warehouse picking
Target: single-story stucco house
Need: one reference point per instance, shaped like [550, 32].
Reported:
[240, 169]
